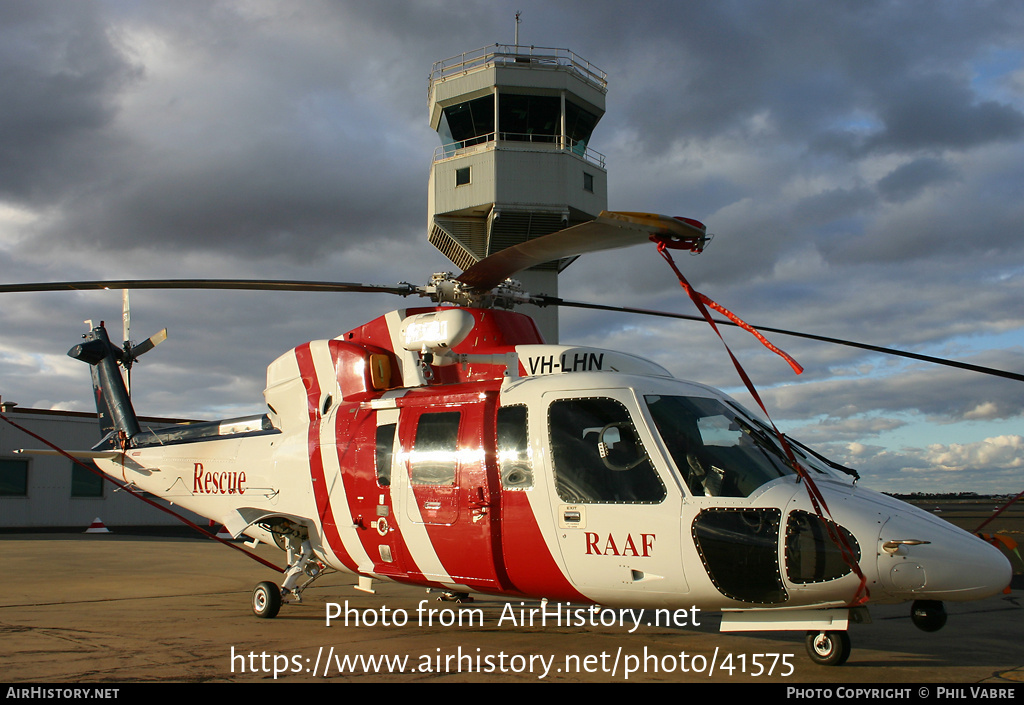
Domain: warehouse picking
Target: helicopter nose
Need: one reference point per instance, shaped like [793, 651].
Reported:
[934, 560]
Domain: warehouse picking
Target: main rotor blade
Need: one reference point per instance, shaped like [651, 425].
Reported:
[554, 301]
[126, 316]
[608, 231]
[244, 284]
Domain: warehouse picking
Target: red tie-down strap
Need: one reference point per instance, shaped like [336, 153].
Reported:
[817, 500]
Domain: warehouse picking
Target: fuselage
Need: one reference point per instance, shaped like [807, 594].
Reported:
[577, 475]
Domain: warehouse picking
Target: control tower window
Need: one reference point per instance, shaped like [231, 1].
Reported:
[579, 126]
[529, 118]
[468, 123]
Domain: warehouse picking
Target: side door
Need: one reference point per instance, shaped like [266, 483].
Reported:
[449, 476]
[368, 483]
[616, 505]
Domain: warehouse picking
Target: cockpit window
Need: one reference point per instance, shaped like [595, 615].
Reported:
[598, 456]
[718, 452]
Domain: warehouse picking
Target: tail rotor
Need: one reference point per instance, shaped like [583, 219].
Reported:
[130, 352]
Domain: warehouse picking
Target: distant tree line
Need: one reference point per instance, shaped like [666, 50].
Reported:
[943, 495]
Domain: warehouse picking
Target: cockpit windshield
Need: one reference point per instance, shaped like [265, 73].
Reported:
[718, 452]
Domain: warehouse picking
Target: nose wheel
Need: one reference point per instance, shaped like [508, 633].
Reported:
[928, 615]
[828, 648]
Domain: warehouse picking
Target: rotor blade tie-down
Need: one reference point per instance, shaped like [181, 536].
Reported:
[817, 500]
[135, 494]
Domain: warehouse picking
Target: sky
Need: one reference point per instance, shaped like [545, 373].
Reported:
[861, 165]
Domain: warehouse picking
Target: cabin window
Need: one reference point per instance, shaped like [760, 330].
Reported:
[384, 453]
[515, 465]
[434, 454]
[740, 550]
[716, 451]
[588, 182]
[462, 176]
[812, 552]
[598, 456]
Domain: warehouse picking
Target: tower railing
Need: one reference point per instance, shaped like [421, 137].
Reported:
[513, 140]
[511, 55]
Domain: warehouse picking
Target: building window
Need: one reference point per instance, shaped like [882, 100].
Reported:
[462, 176]
[588, 182]
[85, 483]
[13, 478]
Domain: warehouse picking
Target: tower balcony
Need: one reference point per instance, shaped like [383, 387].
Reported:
[524, 142]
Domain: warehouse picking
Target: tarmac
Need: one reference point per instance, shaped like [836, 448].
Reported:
[116, 608]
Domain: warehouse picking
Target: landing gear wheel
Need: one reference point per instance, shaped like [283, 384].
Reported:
[266, 600]
[828, 648]
[928, 615]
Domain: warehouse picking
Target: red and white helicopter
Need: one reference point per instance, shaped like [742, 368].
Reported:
[450, 447]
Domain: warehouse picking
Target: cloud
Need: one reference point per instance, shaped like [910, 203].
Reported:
[860, 165]
[910, 179]
[62, 75]
[1000, 452]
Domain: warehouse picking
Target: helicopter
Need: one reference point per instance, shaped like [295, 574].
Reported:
[449, 447]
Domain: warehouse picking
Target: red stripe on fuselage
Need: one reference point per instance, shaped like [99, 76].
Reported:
[528, 561]
[321, 491]
[368, 501]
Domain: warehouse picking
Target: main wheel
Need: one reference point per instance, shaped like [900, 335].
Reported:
[828, 648]
[266, 600]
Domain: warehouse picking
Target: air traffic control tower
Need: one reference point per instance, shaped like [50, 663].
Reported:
[515, 161]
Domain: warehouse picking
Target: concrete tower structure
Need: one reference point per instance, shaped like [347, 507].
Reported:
[515, 161]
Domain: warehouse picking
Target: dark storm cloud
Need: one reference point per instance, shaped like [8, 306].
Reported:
[256, 135]
[272, 200]
[818, 71]
[907, 181]
[61, 76]
[941, 112]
